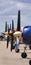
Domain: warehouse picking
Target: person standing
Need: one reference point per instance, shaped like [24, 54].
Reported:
[17, 44]
[11, 41]
[7, 41]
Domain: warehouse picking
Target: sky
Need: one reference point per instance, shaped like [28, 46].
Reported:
[9, 10]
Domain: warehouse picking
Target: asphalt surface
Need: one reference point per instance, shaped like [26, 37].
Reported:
[12, 58]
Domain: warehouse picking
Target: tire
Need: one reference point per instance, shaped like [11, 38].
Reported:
[29, 62]
[23, 55]
[17, 51]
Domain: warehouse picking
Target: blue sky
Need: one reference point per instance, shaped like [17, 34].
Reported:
[9, 10]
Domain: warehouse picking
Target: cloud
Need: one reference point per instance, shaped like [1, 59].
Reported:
[9, 19]
[9, 10]
[25, 1]
[7, 7]
[11, 7]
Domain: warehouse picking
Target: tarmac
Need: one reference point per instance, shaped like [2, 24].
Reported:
[12, 58]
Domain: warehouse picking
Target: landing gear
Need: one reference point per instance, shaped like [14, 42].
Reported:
[24, 54]
[17, 51]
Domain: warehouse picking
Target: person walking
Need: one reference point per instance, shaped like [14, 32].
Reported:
[17, 44]
[7, 41]
[11, 41]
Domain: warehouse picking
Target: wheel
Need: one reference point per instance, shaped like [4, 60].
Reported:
[30, 47]
[17, 51]
[29, 62]
[23, 55]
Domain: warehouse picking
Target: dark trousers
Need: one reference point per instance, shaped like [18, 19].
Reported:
[11, 45]
[7, 43]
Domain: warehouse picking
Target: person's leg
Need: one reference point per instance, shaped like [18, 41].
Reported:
[7, 43]
[17, 48]
[11, 45]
